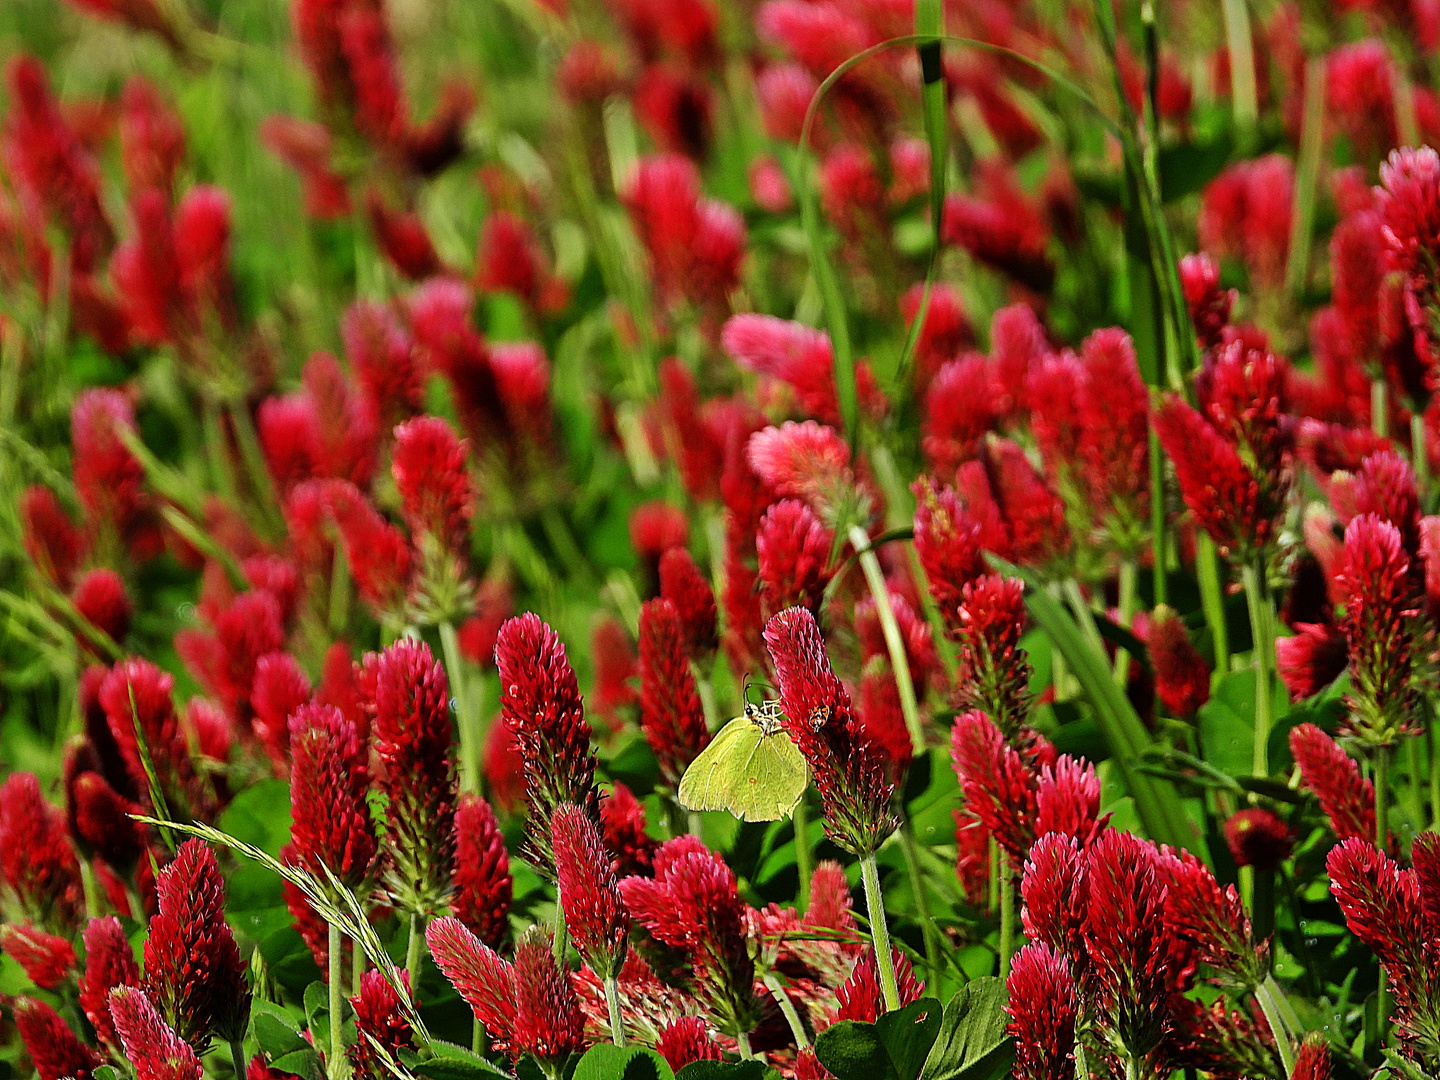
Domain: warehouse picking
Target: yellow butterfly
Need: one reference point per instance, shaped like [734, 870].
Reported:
[751, 768]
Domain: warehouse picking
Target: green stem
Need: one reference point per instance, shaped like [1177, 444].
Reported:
[357, 967]
[466, 717]
[1434, 778]
[894, 643]
[1312, 129]
[1007, 917]
[336, 964]
[1129, 575]
[412, 953]
[1382, 792]
[477, 1035]
[612, 1003]
[1242, 63]
[1415, 767]
[1257, 601]
[804, 857]
[1157, 518]
[693, 822]
[933, 945]
[742, 1044]
[237, 1058]
[1379, 408]
[879, 931]
[1420, 459]
[1132, 1066]
[787, 1009]
[561, 940]
[1262, 902]
[1277, 1026]
[1212, 599]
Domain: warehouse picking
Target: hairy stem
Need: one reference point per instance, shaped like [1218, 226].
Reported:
[237, 1058]
[1379, 408]
[1212, 599]
[1007, 916]
[1257, 602]
[467, 719]
[412, 953]
[804, 857]
[933, 946]
[336, 958]
[742, 1044]
[1420, 458]
[879, 931]
[894, 643]
[787, 1009]
[612, 1003]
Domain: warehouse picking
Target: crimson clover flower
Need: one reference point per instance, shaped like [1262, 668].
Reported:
[47, 959]
[1043, 1004]
[109, 962]
[595, 913]
[151, 1045]
[482, 884]
[1347, 799]
[671, 715]
[54, 1049]
[380, 1016]
[429, 464]
[994, 670]
[686, 1040]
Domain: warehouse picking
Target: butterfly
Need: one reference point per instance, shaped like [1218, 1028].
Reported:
[751, 768]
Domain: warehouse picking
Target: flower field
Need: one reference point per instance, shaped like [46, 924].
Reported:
[699, 540]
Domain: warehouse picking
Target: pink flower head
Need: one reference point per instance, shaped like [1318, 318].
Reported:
[1054, 893]
[999, 786]
[655, 528]
[280, 688]
[1257, 837]
[1182, 678]
[101, 598]
[961, 406]
[429, 465]
[108, 478]
[595, 914]
[1003, 227]
[1380, 606]
[152, 139]
[860, 996]
[793, 547]
[1114, 415]
[382, 354]
[1022, 517]
[224, 660]
[193, 970]
[109, 962]
[482, 884]
[798, 356]
[376, 551]
[1334, 777]
[1208, 303]
[1213, 920]
[622, 822]
[684, 1041]
[693, 903]
[945, 333]
[35, 854]
[54, 1049]
[1310, 660]
[1042, 1006]
[510, 259]
[784, 92]
[994, 671]
[810, 462]
[403, 239]
[540, 704]
[1360, 93]
[670, 711]
[1246, 212]
[482, 978]
[48, 960]
[379, 1016]
[414, 741]
[151, 1045]
[852, 772]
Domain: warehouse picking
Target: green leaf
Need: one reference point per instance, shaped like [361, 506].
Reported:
[260, 815]
[1227, 723]
[892, 1048]
[727, 1070]
[105, 1072]
[452, 1062]
[276, 1032]
[606, 1061]
[972, 1044]
[304, 1063]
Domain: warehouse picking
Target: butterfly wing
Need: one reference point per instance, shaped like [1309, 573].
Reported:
[709, 781]
[772, 781]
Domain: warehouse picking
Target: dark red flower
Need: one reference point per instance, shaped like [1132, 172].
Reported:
[52, 540]
[860, 995]
[961, 405]
[1054, 891]
[540, 704]
[224, 660]
[376, 552]
[109, 962]
[429, 466]
[382, 354]
[1214, 481]
[684, 1041]
[595, 914]
[852, 772]
[482, 883]
[101, 598]
[655, 528]
[1310, 660]
[1208, 303]
[798, 356]
[1334, 777]
[331, 819]
[193, 970]
[1313, 1060]
[403, 239]
[949, 544]
[671, 715]
[102, 820]
[622, 822]
[1246, 212]
[54, 1049]
[1002, 227]
[280, 688]
[1256, 837]
[414, 740]
[151, 1045]
[548, 1022]
[483, 979]
[793, 547]
[999, 787]
[1213, 920]
[35, 854]
[1182, 678]
[1042, 1006]
[379, 1016]
[47, 959]
[994, 671]
[109, 480]
[682, 584]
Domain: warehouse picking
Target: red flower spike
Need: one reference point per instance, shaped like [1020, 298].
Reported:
[682, 584]
[1055, 894]
[684, 1041]
[1208, 303]
[193, 970]
[52, 540]
[793, 547]
[379, 1015]
[1114, 408]
[831, 907]
[280, 688]
[429, 466]
[1067, 800]
[693, 903]
[945, 333]
[860, 996]
[102, 820]
[810, 462]
[961, 406]
[852, 773]
[482, 978]
[331, 819]
[540, 704]
[1374, 580]
[35, 854]
[1334, 778]
[1246, 211]
[696, 447]
[670, 711]
[151, 1045]
[382, 355]
[1256, 837]
[109, 480]
[1382, 908]
[613, 697]
[1214, 482]
[202, 247]
[594, 911]
[1182, 678]
[504, 769]
[1310, 660]
[101, 599]
[994, 671]
[1213, 920]
[915, 634]
[403, 238]
[949, 545]
[799, 356]
[482, 882]
[548, 1022]
[109, 962]
[1313, 1060]
[414, 740]
[622, 823]
[999, 787]
[53, 1047]
[1022, 517]
[224, 661]
[376, 552]
[1042, 1006]
[1003, 228]
[676, 107]
[655, 528]
[47, 960]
